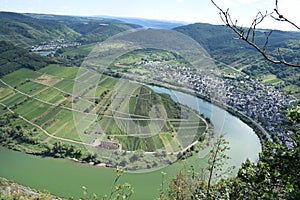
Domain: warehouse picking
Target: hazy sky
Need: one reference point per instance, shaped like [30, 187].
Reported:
[179, 10]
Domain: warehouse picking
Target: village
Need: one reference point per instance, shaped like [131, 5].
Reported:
[54, 45]
[263, 104]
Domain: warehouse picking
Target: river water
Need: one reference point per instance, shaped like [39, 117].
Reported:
[243, 141]
[66, 178]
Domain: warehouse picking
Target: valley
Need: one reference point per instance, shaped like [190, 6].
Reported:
[121, 117]
[91, 95]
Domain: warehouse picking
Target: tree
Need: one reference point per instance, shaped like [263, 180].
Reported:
[217, 160]
[275, 176]
[201, 184]
[249, 34]
[294, 113]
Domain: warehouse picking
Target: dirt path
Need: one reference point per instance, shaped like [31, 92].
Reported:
[44, 131]
[54, 133]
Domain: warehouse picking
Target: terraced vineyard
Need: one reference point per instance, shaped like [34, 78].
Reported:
[121, 122]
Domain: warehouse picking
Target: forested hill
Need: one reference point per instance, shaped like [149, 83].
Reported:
[13, 58]
[223, 45]
[91, 29]
[25, 31]
[31, 29]
[219, 39]
[19, 32]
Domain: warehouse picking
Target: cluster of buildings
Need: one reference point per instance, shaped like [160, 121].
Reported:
[264, 104]
[54, 45]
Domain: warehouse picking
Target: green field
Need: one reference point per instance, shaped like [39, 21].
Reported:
[272, 80]
[111, 115]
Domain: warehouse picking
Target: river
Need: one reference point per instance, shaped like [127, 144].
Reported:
[65, 178]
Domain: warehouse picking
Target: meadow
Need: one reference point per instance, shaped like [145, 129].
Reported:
[109, 112]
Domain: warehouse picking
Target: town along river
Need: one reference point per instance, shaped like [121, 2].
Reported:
[65, 178]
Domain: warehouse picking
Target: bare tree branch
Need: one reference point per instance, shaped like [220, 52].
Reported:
[250, 35]
[281, 18]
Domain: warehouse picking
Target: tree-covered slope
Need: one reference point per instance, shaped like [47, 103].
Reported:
[224, 46]
[219, 39]
[92, 29]
[26, 31]
[31, 29]
[13, 58]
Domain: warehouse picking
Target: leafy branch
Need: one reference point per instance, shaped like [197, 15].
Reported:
[248, 35]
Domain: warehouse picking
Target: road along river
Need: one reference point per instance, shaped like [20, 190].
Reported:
[66, 178]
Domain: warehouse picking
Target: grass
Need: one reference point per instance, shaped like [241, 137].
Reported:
[65, 85]
[31, 88]
[32, 109]
[59, 71]
[132, 143]
[50, 95]
[139, 71]
[123, 107]
[229, 70]
[45, 119]
[5, 92]
[14, 100]
[107, 82]
[271, 79]
[83, 50]
[17, 77]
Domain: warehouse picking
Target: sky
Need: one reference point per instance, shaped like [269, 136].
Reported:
[190, 11]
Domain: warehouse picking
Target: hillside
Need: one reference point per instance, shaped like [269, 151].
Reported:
[13, 58]
[26, 31]
[12, 190]
[222, 45]
[39, 106]
[92, 29]
[63, 111]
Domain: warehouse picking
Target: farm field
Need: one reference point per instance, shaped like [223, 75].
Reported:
[111, 117]
[272, 80]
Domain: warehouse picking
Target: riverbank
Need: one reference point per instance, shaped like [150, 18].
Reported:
[262, 134]
[65, 179]
[12, 190]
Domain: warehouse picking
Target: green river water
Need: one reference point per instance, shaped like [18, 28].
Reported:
[66, 178]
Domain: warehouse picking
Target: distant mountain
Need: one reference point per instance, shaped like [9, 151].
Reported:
[219, 38]
[26, 31]
[92, 29]
[223, 46]
[149, 23]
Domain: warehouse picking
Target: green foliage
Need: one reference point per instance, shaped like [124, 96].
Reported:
[219, 42]
[294, 113]
[17, 136]
[217, 159]
[26, 31]
[275, 176]
[10, 190]
[194, 183]
[13, 58]
[91, 29]
[20, 137]
[173, 108]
